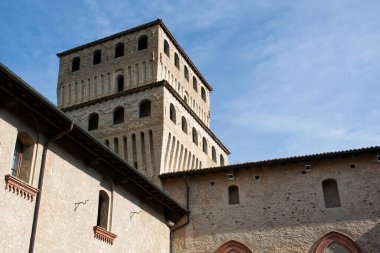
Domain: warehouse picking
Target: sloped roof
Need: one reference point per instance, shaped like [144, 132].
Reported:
[13, 88]
[275, 162]
[135, 29]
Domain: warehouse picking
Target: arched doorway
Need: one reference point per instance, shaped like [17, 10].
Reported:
[335, 242]
[233, 247]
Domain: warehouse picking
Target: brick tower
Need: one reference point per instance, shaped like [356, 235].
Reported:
[139, 93]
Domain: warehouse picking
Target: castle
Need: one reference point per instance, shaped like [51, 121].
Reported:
[129, 164]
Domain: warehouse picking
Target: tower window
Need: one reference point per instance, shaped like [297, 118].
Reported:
[75, 64]
[176, 60]
[330, 193]
[184, 124]
[213, 153]
[166, 48]
[221, 160]
[145, 109]
[203, 94]
[119, 50]
[93, 121]
[233, 195]
[195, 136]
[120, 83]
[142, 43]
[172, 113]
[195, 84]
[186, 73]
[103, 206]
[97, 57]
[204, 145]
[118, 115]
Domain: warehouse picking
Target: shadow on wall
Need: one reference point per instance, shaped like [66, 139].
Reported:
[371, 239]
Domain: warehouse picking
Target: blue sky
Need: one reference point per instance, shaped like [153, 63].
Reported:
[289, 77]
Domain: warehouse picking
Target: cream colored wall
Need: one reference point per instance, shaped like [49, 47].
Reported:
[284, 210]
[69, 181]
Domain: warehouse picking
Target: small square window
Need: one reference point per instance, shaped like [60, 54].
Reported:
[352, 166]
[257, 177]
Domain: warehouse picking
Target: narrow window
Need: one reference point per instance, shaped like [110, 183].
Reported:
[176, 60]
[204, 145]
[203, 94]
[119, 50]
[107, 142]
[120, 83]
[145, 109]
[233, 195]
[195, 136]
[97, 57]
[330, 193]
[116, 145]
[142, 43]
[172, 113]
[93, 121]
[186, 73]
[195, 84]
[103, 206]
[75, 64]
[118, 115]
[22, 157]
[221, 160]
[213, 153]
[166, 48]
[184, 124]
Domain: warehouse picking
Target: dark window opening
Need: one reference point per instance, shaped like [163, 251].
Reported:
[17, 158]
[173, 113]
[102, 220]
[186, 73]
[176, 60]
[233, 195]
[203, 94]
[195, 136]
[120, 83]
[118, 116]
[143, 42]
[204, 145]
[330, 193]
[195, 84]
[93, 122]
[221, 160]
[119, 50]
[166, 48]
[213, 153]
[145, 109]
[97, 57]
[75, 64]
[184, 124]
[23, 157]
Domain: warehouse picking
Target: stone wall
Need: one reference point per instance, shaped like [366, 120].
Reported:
[281, 209]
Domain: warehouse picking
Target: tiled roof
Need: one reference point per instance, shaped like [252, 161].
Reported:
[135, 29]
[274, 162]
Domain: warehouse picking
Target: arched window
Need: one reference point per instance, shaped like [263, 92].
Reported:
[176, 60]
[173, 113]
[195, 84]
[93, 121]
[195, 136]
[116, 145]
[233, 195]
[221, 160]
[184, 124]
[145, 108]
[97, 57]
[335, 242]
[75, 64]
[330, 193]
[166, 48]
[186, 73]
[203, 94]
[213, 153]
[204, 145]
[233, 247]
[107, 142]
[185, 98]
[23, 157]
[118, 115]
[119, 50]
[143, 42]
[103, 207]
[120, 83]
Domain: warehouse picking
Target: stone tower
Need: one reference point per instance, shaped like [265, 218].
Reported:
[139, 93]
